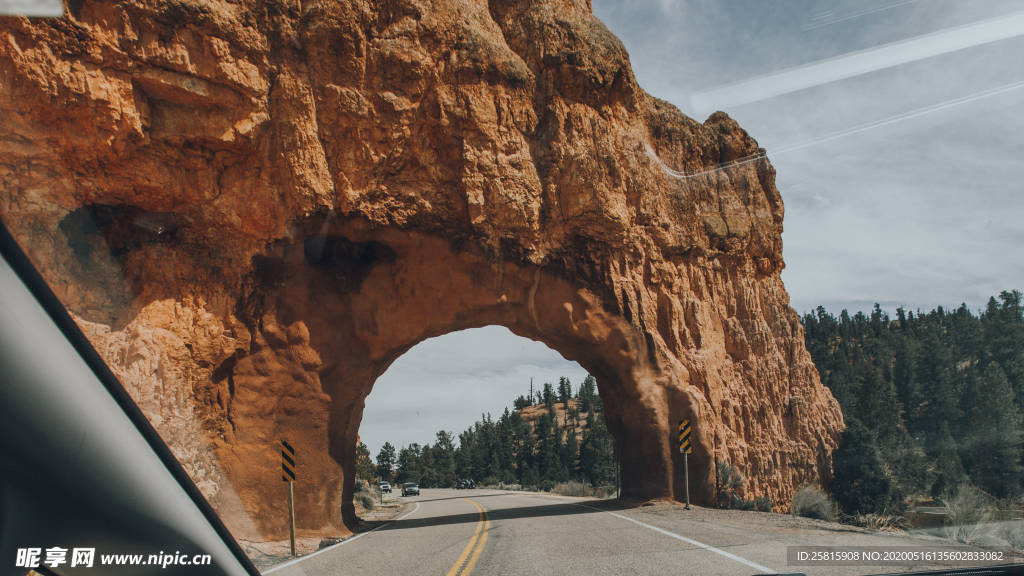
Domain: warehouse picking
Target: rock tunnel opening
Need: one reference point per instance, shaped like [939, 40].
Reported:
[614, 412]
[473, 404]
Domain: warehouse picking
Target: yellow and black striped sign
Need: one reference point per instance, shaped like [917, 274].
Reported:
[287, 462]
[684, 436]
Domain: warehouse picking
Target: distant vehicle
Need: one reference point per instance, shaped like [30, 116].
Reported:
[410, 489]
[464, 485]
[385, 487]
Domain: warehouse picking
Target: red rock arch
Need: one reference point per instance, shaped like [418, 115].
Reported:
[361, 296]
[164, 164]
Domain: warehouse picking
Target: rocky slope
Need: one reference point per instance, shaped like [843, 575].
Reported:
[252, 208]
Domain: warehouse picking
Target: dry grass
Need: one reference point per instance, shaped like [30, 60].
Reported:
[570, 488]
[882, 522]
[1013, 533]
[968, 514]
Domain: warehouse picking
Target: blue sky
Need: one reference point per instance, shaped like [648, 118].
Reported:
[900, 178]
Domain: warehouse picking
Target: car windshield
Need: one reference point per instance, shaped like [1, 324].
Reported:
[708, 287]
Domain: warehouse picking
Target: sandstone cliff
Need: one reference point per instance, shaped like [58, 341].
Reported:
[253, 207]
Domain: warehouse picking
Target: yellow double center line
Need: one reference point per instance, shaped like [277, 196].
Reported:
[475, 546]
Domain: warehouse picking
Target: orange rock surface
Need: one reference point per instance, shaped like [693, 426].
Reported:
[253, 208]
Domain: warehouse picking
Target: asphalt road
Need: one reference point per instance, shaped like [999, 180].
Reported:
[490, 532]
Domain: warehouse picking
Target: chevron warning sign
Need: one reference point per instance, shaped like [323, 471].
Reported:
[684, 436]
[287, 462]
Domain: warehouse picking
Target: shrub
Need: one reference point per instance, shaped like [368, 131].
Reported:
[570, 488]
[967, 514]
[546, 486]
[729, 480]
[810, 501]
[364, 496]
[763, 504]
[490, 481]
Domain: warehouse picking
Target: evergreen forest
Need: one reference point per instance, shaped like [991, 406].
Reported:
[567, 441]
[931, 401]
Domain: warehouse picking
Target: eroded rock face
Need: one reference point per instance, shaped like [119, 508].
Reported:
[253, 208]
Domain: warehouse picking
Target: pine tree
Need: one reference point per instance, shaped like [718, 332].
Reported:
[464, 457]
[521, 402]
[859, 481]
[530, 478]
[948, 470]
[545, 446]
[408, 464]
[365, 468]
[526, 453]
[589, 399]
[386, 459]
[444, 459]
[939, 397]
[505, 447]
[570, 453]
[995, 452]
[1003, 323]
[596, 464]
[549, 396]
[564, 391]
[428, 468]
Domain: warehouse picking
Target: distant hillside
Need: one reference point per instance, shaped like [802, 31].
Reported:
[533, 413]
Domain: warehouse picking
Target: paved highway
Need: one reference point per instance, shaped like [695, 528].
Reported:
[490, 532]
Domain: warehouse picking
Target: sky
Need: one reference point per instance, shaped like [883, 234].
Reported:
[895, 128]
[449, 382]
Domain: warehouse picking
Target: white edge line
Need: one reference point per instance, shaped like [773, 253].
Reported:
[728, 555]
[410, 513]
[342, 543]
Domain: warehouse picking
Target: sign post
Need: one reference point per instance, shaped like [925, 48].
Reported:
[684, 448]
[288, 475]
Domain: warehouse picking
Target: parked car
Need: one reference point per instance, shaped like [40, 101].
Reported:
[410, 489]
[465, 485]
[385, 487]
